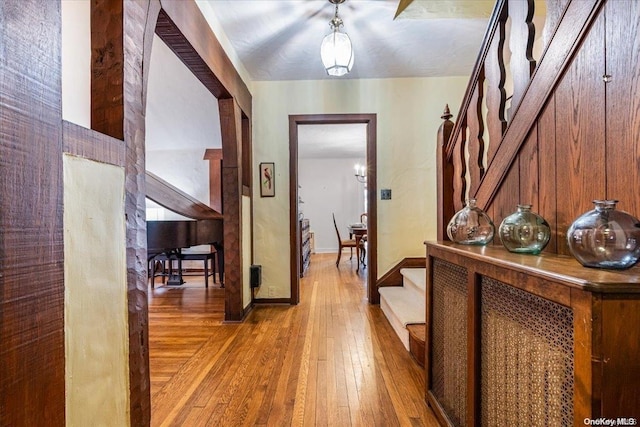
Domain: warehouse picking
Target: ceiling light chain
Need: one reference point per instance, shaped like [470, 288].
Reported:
[336, 49]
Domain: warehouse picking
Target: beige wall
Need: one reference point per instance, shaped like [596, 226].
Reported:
[95, 305]
[408, 113]
[246, 250]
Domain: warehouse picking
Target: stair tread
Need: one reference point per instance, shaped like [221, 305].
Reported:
[417, 276]
[406, 304]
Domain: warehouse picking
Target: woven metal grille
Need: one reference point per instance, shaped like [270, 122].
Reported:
[449, 339]
[526, 358]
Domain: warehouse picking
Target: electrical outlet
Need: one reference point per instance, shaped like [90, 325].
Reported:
[385, 194]
[272, 291]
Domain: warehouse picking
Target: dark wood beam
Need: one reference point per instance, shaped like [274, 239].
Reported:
[32, 350]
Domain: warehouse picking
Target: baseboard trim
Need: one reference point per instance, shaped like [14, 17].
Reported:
[393, 276]
[272, 301]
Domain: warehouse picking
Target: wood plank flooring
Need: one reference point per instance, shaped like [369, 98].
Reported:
[333, 360]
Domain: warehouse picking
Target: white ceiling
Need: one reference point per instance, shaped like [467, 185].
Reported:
[332, 141]
[280, 39]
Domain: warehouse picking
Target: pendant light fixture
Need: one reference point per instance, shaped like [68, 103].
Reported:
[336, 49]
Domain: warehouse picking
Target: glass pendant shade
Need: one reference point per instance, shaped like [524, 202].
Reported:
[337, 53]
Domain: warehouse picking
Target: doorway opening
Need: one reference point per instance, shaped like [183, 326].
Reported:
[370, 122]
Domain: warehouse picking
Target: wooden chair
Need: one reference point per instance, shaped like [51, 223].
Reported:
[351, 243]
[363, 218]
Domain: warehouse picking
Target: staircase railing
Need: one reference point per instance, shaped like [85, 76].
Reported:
[505, 95]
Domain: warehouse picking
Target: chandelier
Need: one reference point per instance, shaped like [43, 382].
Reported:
[336, 50]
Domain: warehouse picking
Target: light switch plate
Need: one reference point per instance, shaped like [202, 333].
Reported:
[385, 194]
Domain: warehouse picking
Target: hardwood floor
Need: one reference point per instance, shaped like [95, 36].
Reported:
[333, 360]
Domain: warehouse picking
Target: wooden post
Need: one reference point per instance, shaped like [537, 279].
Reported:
[214, 155]
[445, 175]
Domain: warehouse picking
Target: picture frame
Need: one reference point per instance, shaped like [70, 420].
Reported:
[267, 179]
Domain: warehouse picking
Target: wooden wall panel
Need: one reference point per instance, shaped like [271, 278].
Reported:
[32, 368]
[623, 104]
[555, 9]
[580, 133]
[506, 200]
[529, 177]
[547, 161]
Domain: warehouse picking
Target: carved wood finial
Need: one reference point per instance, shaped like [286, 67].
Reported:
[446, 114]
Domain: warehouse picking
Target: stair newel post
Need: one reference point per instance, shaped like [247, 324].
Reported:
[445, 172]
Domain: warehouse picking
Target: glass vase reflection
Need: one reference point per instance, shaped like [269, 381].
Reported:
[471, 226]
[605, 237]
[524, 231]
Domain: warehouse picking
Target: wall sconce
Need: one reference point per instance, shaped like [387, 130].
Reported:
[360, 173]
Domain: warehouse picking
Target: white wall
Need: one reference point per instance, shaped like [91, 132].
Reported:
[76, 62]
[408, 116]
[182, 121]
[329, 186]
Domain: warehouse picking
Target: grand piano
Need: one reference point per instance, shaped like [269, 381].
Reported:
[166, 240]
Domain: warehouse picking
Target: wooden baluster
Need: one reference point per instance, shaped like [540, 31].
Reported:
[444, 175]
[521, 45]
[496, 96]
[475, 144]
[459, 169]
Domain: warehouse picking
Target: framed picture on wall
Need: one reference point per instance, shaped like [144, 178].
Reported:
[267, 180]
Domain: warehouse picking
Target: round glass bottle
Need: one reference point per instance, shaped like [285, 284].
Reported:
[471, 226]
[605, 237]
[524, 231]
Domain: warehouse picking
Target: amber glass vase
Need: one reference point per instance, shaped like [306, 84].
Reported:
[605, 237]
[524, 231]
[471, 226]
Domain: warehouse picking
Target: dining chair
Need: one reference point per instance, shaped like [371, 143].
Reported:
[363, 218]
[351, 243]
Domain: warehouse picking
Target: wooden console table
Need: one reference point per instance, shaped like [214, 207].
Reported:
[529, 340]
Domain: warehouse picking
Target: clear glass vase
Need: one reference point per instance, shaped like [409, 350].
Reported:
[605, 237]
[471, 226]
[524, 231]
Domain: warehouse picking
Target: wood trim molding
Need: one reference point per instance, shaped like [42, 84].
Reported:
[286, 301]
[393, 276]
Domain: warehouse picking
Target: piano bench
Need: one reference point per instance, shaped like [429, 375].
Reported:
[206, 257]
